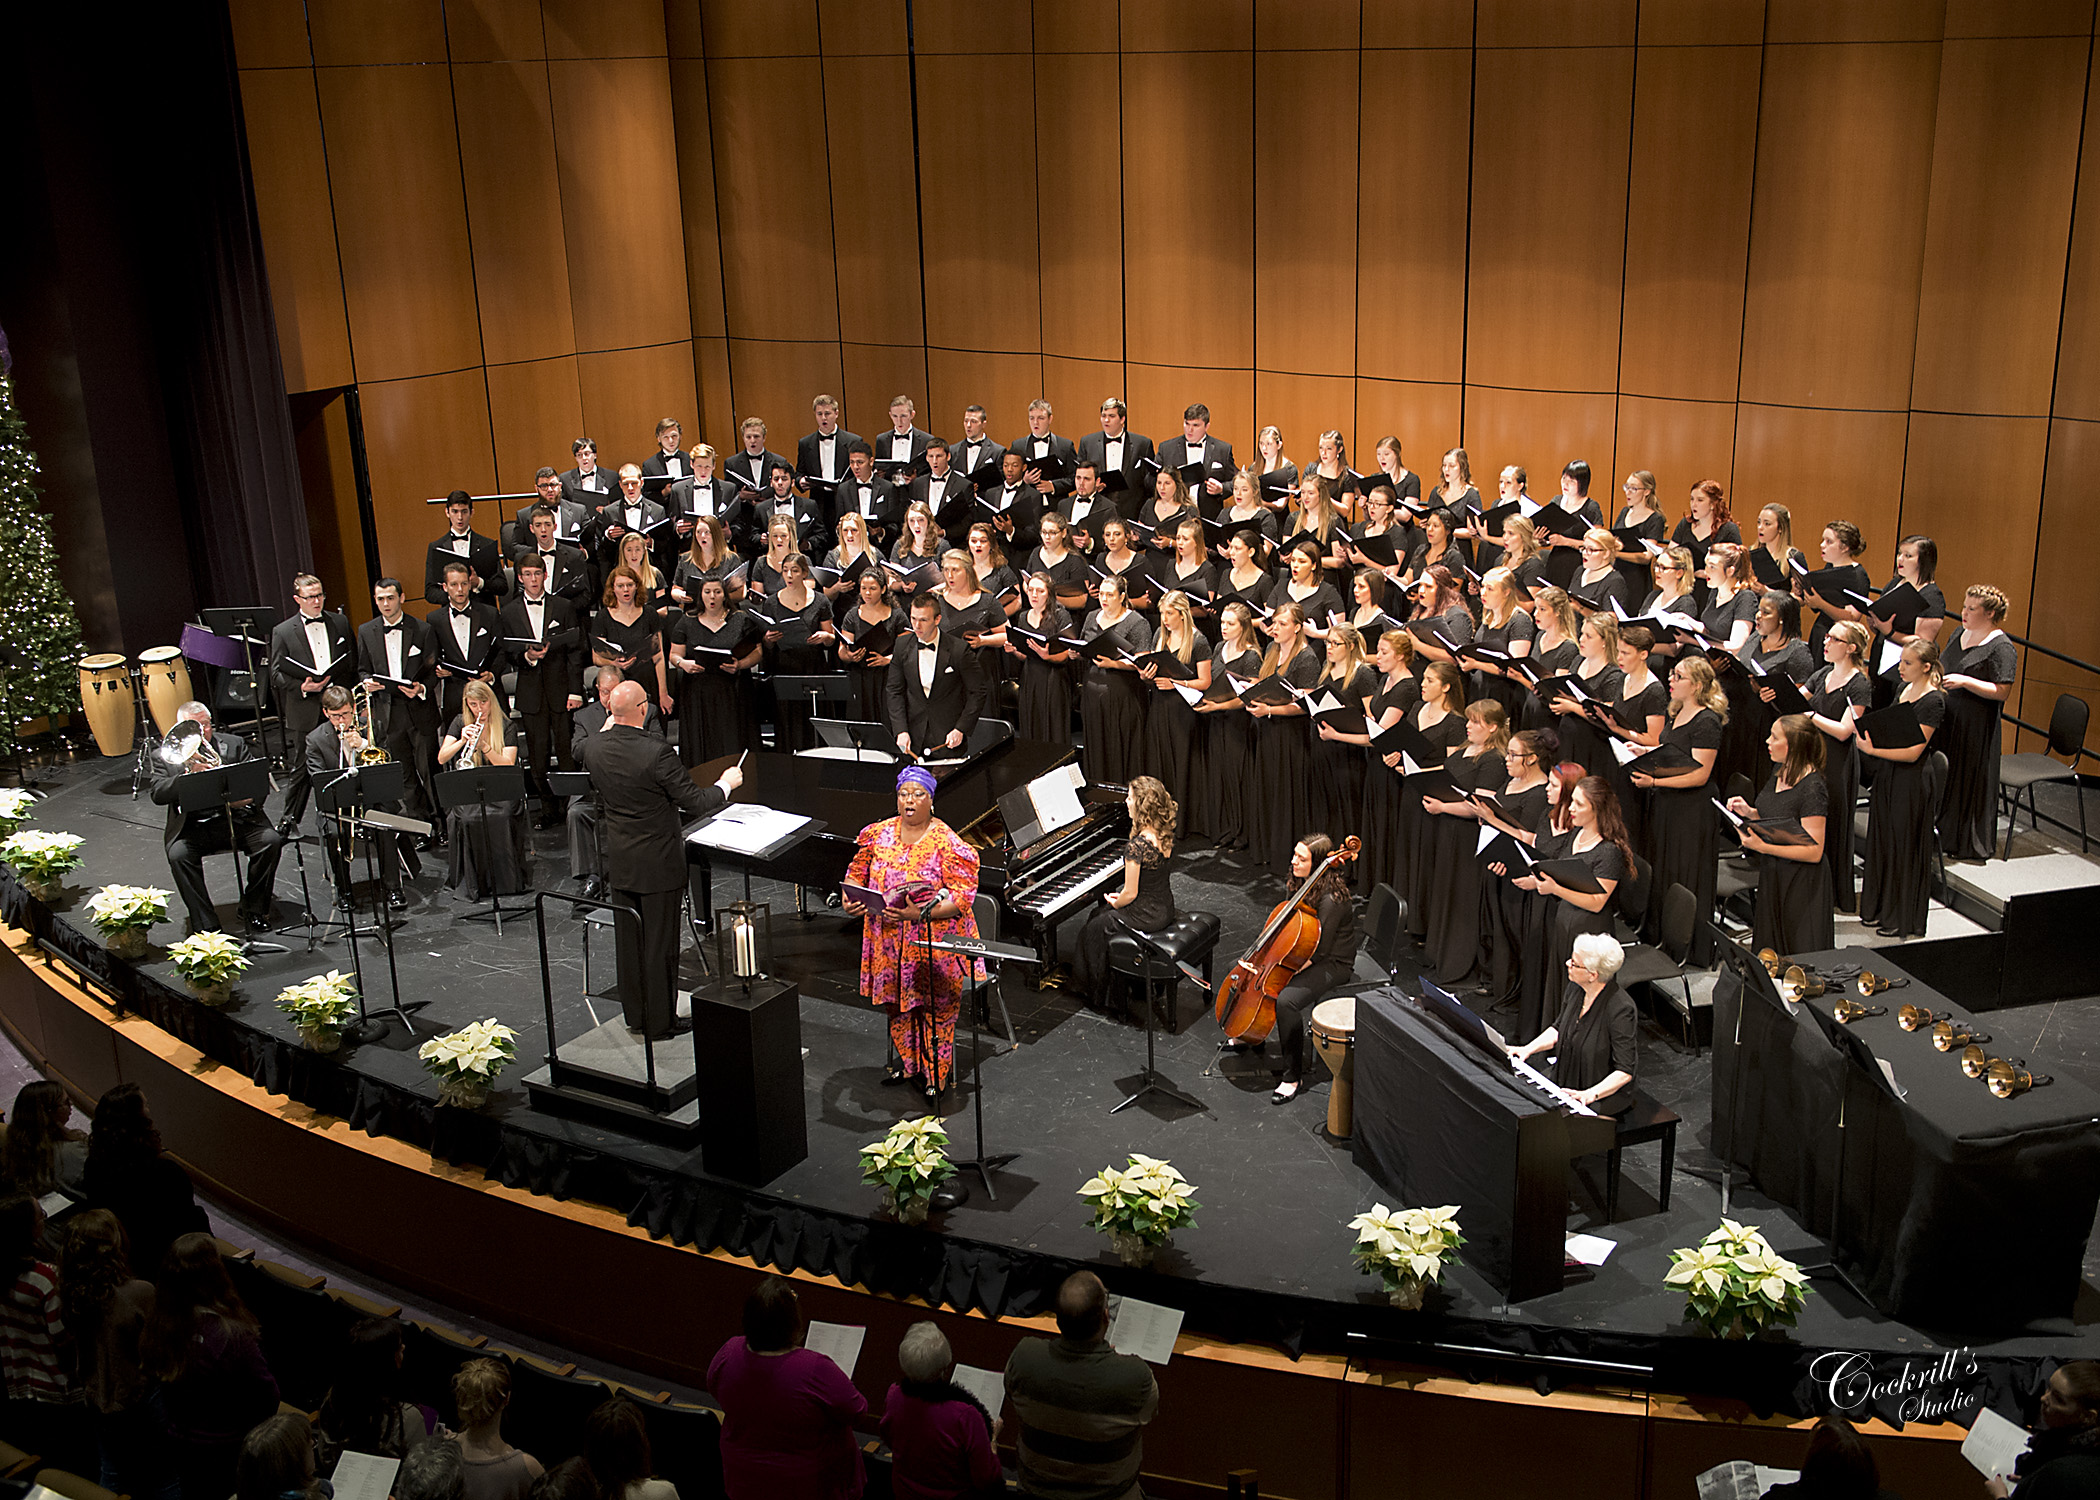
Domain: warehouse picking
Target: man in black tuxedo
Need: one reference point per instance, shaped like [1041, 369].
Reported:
[330, 750]
[570, 519]
[936, 689]
[976, 451]
[668, 465]
[629, 511]
[550, 677]
[397, 658]
[900, 453]
[1013, 506]
[822, 454]
[469, 644]
[1086, 510]
[1197, 446]
[567, 569]
[462, 543]
[686, 499]
[871, 497]
[189, 837]
[667, 462]
[751, 465]
[645, 797]
[586, 842]
[587, 485]
[1039, 442]
[944, 491]
[1116, 450]
[308, 650]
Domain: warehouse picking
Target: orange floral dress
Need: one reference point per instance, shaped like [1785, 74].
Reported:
[894, 969]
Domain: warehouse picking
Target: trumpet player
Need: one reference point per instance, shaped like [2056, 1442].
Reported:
[489, 846]
[336, 744]
[191, 836]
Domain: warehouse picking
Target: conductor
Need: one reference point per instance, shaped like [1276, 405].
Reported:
[645, 796]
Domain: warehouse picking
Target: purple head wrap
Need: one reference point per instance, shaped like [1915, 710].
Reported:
[918, 776]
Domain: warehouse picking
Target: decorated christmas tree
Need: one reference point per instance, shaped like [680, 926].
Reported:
[39, 635]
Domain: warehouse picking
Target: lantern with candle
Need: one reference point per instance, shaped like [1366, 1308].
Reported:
[744, 942]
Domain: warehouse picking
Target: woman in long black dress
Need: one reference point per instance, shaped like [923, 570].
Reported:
[1896, 891]
[1228, 788]
[1111, 697]
[1837, 691]
[1597, 582]
[972, 612]
[1680, 809]
[709, 556]
[1600, 844]
[1441, 719]
[1381, 520]
[1441, 547]
[867, 635]
[1277, 472]
[1706, 522]
[1554, 652]
[1173, 747]
[1564, 553]
[1793, 881]
[1118, 559]
[1917, 561]
[1393, 696]
[1440, 610]
[1321, 524]
[989, 566]
[1406, 483]
[1775, 538]
[1524, 557]
[712, 651]
[1247, 513]
[1582, 740]
[1636, 720]
[1841, 583]
[626, 633]
[1521, 808]
[638, 556]
[489, 845]
[1307, 588]
[1454, 492]
[1337, 760]
[1331, 468]
[1976, 668]
[798, 643]
[1640, 519]
[1329, 967]
[1672, 595]
[1046, 678]
[765, 577]
[1774, 650]
[1282, 745]
[1144, 902]
[1188, 572]
[1241, 579]
[920, 546]
[1163, 510]
[1454, 937]
[839, 575]
[1507, 628]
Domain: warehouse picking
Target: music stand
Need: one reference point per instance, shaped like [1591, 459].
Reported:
[349, 795]
[249, 625]
[825, 690]
[480, 786]
[1752, 978]
[1151, 1080]
[990, 952]
[203, 793]
[1859, 1057]
[863, 737]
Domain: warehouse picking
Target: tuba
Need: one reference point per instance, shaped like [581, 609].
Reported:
[185, 742]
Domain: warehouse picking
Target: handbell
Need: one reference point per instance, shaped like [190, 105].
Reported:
[2008, 1079]
[1871, 983]
[1917, 1018]
[1975, 1061]
[1848, 1010]
[1772, 962]
[1798, 984]
[1948, 1035]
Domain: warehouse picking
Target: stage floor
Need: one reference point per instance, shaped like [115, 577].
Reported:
[1276, 1194]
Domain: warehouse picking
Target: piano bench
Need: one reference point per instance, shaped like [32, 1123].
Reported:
[1190, 939]
[1646, 1121]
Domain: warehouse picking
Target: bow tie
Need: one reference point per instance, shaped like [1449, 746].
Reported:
[462, 614]
[535, 603]
[384, 628]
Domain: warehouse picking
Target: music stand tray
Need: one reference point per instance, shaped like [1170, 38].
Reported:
[479, 787]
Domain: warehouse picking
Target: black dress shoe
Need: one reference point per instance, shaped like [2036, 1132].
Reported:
[256, 921]
[397, 901]
[594, 888]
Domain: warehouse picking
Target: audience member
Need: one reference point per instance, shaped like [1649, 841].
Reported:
[616, 1446]
[940, 1435]
[431, 1470]
[277, 1461]
[41, 1155]
[364, 1409]
[1082, 1405]
[568, 1480]
[106, 1312]
[787, 1413]
[128, 1175]
[2062, 1460]
[1837, 1466]
[43, 1405]
[495, 1470]
[205, 1348]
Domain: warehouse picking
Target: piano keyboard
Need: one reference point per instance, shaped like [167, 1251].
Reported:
[1082, 880]
[1549, 1088]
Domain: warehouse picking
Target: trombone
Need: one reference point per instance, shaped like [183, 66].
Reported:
[369, 753]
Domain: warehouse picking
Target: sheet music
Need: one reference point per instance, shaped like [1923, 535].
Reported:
[54, 1203]
[1740, 1479]
[1625, 751]
[1993, 1444]
[1590, 1249]
[1889, 1073]
[838, 1342]
[363, 1476]
[1189, 695]
[1143, 1328]
[1055, 800]
[988, 1386]
[746, 828]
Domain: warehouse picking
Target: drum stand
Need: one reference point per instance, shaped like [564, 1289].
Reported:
[144, 736]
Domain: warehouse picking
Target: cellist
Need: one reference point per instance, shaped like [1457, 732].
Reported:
[1333, 959]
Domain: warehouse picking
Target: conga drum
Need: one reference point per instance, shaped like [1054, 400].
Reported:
[1333, 1029]
[167, 683]
[105, 696]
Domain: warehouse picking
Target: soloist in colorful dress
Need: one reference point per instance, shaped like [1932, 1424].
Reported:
[893, 957]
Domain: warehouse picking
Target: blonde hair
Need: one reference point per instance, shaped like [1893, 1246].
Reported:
[1991, 598]
[1487, 711]
[480, 1389]
[1520, 541]
[961, 558]
[1403, 644]
[1853, 634]
[1680, 558]
[1551, 603]
[1353, 658]
[1607, 629]
[1928, 655]
[1506, 580]
[1706, 688]
[492, 724]
[1176, 604]
[1271, 658]
[646, 571]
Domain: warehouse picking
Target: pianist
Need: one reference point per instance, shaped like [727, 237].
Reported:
[1594, 1038]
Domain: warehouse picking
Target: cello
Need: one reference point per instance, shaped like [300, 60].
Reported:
[1246, 1003]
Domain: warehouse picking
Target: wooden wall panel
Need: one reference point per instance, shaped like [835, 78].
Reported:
[693, 133]
[1426, 419]
[1549, 219]
[2061, 611]
[1188, 252]
[514, 208]
[298, 229]
[1079, 204]
[496, 31]
[946, 27]
[773, 202]
[877, 373]
[862, 28]
[977, 142]
[1158, 395]
[1425, 23]
[1556, 23]
[2004, 159]
[1003, 384]
[1856, 21]
[401, 221]
[1304, 256]
[1688, 220]
[1308, 25]
[1414, 158]
[627, 391]
[2078, 351]
[1821, 464]
[1969, 18]
[358, 33]
[424, 437]
[1072, 25]
[1837, 241]
[717, 387]
[625, 227]
[1949, 456]
[535, 412]
[1075, 388]
[1702, 23]
[759, 28]
[1542, 430]
[1188, 25]
[775, 381]
[1680, 442]
[1304, 406]
[604, 28]
[269, 34]
[867, 101]
[1408, 1432]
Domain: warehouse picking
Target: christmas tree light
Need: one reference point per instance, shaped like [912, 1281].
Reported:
[39, 633]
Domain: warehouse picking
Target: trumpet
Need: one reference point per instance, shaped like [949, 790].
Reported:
[1848, 1010]
[469, 739]
[1797, 984]
[185, 743]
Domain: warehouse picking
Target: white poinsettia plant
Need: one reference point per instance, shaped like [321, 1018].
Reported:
[1735, 1283]
[476, 1052]
[1400, 1245]
[117, 907]
[208, 958]
[911, 1161]
[326, 1002]
[42, 855]
[15, 805]
[1147, 1200]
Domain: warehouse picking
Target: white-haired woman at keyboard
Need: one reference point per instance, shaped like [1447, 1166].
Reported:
[1594, 1039]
